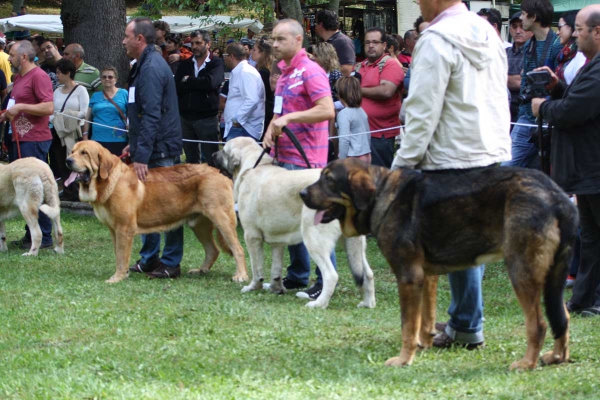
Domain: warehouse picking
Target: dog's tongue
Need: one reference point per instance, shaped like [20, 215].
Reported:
[319, 217]
[71, 179]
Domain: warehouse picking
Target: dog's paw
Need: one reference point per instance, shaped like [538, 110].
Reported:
[522, 365]
[197, 271]
[317, 304]
[116, 278]
[398, 362]
[367, 304]
[59, 250]
[240, 278]
[550, 357]
[31, 253]
[252, 286]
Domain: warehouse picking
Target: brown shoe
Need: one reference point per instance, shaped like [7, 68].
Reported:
[443, 341]
[441, 326]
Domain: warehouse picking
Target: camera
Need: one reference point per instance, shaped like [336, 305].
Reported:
[535, 87]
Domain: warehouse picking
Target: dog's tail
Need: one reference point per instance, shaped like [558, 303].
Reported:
[355, 250]
[223, 244]
[555, 280]
[51, 202]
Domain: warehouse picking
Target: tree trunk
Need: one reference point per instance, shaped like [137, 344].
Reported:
[98, 26]
[334, 5]
[292, 9]
[17, 4]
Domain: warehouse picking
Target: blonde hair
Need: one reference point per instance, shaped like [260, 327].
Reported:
[326, 56]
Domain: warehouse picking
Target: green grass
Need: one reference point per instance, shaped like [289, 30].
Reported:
[65, 334]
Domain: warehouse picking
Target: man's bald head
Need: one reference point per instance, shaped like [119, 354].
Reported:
[75, 53]
[587, 30]
[291, 26]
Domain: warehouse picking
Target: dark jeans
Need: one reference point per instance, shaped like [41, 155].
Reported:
[586, 291]
[57, 156]
[237, 131]
[173, 250]
[200, 129]
[115, 148]
[38, 150]
[382, 151]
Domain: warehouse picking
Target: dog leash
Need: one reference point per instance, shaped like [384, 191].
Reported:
[296, 144]
[15, 134]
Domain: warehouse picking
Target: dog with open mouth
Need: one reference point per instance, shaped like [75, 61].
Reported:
[271, 211]
[429, 224]
[195, 194]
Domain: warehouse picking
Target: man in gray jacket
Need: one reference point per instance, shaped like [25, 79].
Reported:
[155, 138]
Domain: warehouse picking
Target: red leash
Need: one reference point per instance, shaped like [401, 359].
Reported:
[15, 134]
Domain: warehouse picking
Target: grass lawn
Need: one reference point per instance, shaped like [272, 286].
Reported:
[65, 334]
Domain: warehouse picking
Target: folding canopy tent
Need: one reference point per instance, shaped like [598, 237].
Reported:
[179, 24]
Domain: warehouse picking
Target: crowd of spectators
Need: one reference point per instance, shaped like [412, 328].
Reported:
[240, 88]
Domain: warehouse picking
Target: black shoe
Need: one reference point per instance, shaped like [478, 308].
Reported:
[311, 293]
[27, 245]
[165, 272]
[593, 311]
[22, 242]
[441, 326]
[290, 284]
[443, 341]
[153, 264]
[573, 308]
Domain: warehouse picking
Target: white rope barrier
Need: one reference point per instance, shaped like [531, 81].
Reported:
[222, 143]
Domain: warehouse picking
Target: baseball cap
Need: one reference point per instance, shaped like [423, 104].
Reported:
[516, 15]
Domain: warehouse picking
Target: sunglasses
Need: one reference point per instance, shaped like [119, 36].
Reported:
[107, 77]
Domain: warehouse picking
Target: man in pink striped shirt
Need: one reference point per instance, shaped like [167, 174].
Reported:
[304, 104]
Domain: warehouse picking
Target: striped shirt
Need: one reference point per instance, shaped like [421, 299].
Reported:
[301, 84]
[88, 77]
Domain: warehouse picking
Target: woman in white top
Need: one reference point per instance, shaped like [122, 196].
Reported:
[70, 99]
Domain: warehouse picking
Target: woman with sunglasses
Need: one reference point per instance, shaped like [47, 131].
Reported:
[569, 60]
[108, 109]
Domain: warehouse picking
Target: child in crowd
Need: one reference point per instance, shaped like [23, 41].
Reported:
[352, 120]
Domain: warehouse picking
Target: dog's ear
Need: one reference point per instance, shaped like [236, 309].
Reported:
[106, 163]
[363, 188]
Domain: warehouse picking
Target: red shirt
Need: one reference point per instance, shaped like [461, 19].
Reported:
[383, 113]
[404, 58]
[33, 88]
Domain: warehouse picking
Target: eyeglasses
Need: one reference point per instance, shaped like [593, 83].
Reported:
[560, 26]
[225, 54]
[373, 42]
[107, 77]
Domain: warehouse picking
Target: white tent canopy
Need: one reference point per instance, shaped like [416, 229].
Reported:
[179, 24]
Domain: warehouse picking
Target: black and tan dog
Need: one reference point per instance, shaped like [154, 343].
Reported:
[429, 224]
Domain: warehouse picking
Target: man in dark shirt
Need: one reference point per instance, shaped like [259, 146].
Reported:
[327, 27]
[514, 55]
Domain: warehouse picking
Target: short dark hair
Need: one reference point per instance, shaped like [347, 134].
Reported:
[203, 34]
[569, 17]
[381, 31]
[329, 19]
[163, 26]
[593, 20]
[493, 16]
[391, 41]
[39, 40]
[236, 50]
[542, 10]
[144, 27]
[50, 41]
[174, 37]
[66, 66]
[408, 34]
[348, 89]
[418, 22]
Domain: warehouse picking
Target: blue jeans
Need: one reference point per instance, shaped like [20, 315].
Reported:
[173, 250]
[38, 150]
[237, 131]
[524, 153]
[299, 269]
[466, 307]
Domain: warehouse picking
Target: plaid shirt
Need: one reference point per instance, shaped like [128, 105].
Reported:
[530, 63]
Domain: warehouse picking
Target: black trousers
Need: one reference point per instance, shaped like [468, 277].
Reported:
[586, 292]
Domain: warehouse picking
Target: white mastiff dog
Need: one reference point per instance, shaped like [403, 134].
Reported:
[271, 210]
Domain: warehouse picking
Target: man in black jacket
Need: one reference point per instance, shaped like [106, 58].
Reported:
[198, 80]
[575, 154]
[154, 136]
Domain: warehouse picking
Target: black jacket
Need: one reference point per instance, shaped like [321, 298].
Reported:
[154, 123]
[199, 95]
[575, 149]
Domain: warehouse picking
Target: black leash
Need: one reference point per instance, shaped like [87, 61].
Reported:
[296, 143]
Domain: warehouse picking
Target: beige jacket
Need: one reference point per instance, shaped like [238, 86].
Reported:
[457, 111]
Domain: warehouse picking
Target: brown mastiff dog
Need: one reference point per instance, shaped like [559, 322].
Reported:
[429, 224]
[192, 193]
